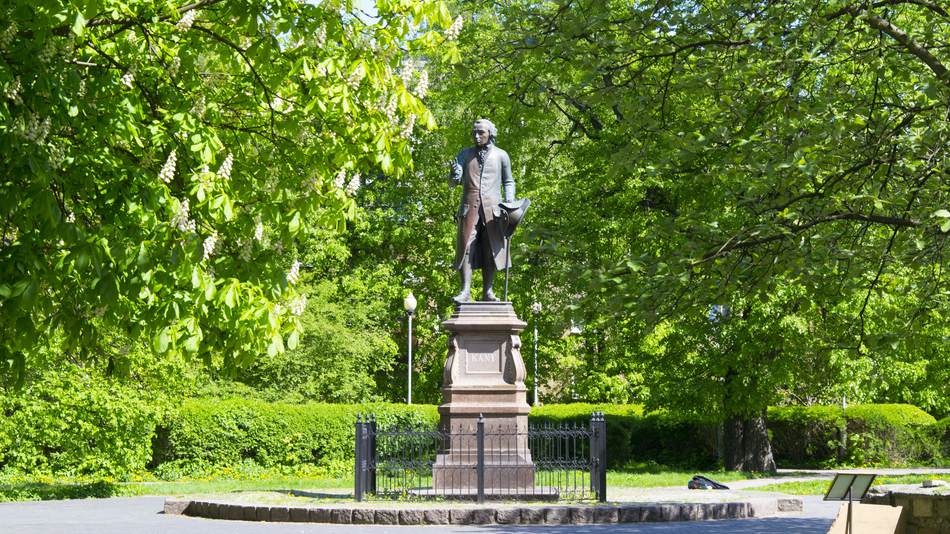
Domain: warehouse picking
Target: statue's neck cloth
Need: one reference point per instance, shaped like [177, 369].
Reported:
[482, 154]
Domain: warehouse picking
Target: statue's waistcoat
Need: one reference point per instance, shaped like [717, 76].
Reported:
[481, 193]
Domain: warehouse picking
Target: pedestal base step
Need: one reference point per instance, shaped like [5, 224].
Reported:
[540, 493]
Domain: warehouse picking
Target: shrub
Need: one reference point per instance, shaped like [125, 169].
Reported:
[941, 434]
[636, 437]
[873, 434]
[76, 423]
[204, 434]
[214, 436]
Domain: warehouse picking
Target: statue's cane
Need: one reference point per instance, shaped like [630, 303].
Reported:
[507, 263]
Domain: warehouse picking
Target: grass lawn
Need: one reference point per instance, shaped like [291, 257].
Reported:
[820, 487]
[26, 488]
[655, 479]
[43, 488]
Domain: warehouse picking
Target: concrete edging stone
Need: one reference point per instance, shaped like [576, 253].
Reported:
[503, 515]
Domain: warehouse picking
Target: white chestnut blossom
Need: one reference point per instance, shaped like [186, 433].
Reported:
[8, 34]
[208, 245]
[57, 155]
[455, 29]
[407, 128]
[390, 111]
[340, 181]
[353, 186]
[128, 78]
[186, 21]
[408, 69]
[423, 87]
[355, 77]
[174, 66]
[225, 171]
[298, 305]
[199, 107]
[132, 38]
[70, 217]
[320, 38]
[259, 231]
[12, 91]
[37, 130]
[294, 274]
[247, 247]
[168, 169]
[182, 219]
[48, 51]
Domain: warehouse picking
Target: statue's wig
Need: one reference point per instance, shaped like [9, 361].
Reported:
[492, 131]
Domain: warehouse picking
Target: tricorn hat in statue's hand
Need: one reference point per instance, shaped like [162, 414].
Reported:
[513, 212]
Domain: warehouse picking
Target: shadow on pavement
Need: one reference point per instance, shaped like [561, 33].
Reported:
[772, 525]
[29, 491]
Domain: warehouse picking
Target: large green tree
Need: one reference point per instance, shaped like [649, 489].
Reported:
[160, 161]
[784, 158]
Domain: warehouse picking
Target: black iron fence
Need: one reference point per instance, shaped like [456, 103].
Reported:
[479, 461]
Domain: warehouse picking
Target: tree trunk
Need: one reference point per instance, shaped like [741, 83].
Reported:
[747, 446]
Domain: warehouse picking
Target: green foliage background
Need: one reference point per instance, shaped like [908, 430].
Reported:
[787, 160]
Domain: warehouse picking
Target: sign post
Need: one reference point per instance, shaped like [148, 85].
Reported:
[847, 487]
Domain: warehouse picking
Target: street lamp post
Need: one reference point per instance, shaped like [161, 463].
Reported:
[536, 311]
[410, 306]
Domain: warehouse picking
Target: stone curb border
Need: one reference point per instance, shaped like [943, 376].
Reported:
[539, 515]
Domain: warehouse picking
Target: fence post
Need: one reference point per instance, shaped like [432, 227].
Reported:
[592, 449]
[372, 455]
[602, 471]
[480, 457]
[358, 470]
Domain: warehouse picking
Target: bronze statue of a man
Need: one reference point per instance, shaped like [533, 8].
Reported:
[484, 171]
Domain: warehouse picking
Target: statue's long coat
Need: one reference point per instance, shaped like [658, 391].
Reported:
[481, 194]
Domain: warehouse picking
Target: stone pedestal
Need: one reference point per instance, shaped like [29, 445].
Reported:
[484, 375]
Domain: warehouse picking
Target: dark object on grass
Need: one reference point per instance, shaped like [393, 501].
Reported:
[701, 482]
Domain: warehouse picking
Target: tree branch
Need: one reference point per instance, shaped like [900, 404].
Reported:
[736, 244]
[899, 35]
[102, 21]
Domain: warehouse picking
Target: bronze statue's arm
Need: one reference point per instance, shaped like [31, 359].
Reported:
[507, 181]
[455, 172]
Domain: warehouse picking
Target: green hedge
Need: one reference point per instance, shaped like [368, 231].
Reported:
[874, 434]
[77, 423]
[211, 434]
[941, 433]
[635, 437]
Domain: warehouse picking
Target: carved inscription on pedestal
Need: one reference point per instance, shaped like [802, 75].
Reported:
[484, 357]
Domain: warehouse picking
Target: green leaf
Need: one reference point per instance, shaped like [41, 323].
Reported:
[292, 340]
[79, 24]
[191, 344]
[230, 297]
[294, 225]
[942, 213]
[160, 341]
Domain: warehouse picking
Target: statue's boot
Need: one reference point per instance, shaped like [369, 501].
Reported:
[465, 274]
[488, 280]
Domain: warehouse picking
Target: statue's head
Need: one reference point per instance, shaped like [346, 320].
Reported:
[484, 132]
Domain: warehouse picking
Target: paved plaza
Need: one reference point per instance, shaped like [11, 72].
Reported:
[144, 515]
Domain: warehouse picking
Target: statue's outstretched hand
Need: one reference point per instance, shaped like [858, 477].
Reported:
[456, 175]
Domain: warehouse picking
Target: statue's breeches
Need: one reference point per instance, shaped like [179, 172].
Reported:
[479, 236]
